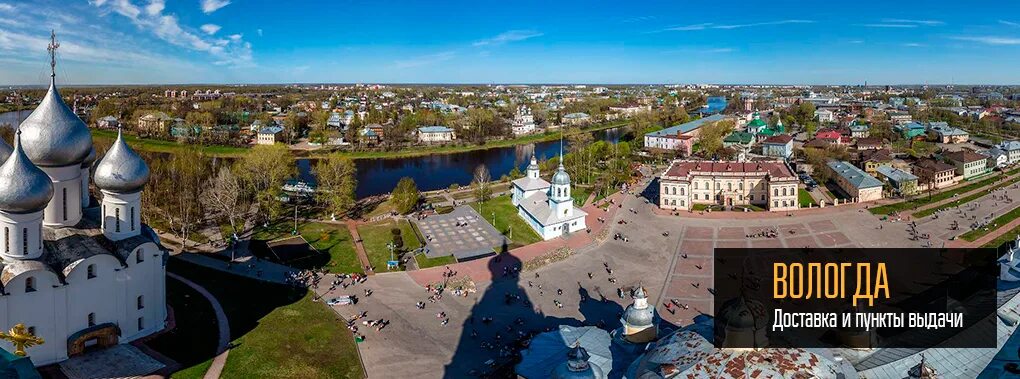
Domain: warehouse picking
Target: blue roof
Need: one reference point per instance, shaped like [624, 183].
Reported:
[271, 130]
[895, 174]
[577, 115]
[857, 177]
[434, 129]
[685, 128]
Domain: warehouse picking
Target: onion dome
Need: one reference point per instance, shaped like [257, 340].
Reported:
[121, 170]
[757, 121]
[534, 164]
[741, 313]
[5, 151]
[89, 159]
[577, 366]
[561, 177]
[53, 135]
[639, 314]
[24, 188]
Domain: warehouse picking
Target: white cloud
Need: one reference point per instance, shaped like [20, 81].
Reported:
[710, 25]
[508, 36]
[991, 40]
[210, 29]
[210, 6]
[259, 32]
[233, 51]
[916, 22]
[913, 44]
[1009, 23]
[424, 60]
[6, 7]
[155, 7]
[889, 25]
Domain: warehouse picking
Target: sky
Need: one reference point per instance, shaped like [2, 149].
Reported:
[521, 41]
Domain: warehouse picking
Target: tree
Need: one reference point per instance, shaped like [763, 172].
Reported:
[481, 180]
[204, 119]
[224, 196]
[710, 136]
[337, 178]
[405, 195]
[397, 239]
[174, 184]
[263, 171]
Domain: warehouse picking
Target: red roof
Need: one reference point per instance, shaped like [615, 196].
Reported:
[781, 139]
[776, 169]
[827, 134]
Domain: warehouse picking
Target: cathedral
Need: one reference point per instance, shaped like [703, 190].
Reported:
[78, 275]
[547, 208]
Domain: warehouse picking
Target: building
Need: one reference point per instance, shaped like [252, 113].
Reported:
[155, 123]
[738, 139]
[825, 115]
[547, 208]
[871, 160]
[856, 183]
[78, 278]
[524, 121]
[869, 144]
[997, 158]
[943, 133]
[678, 137]
[859, 130]
[768, 184]
[639, 320]
[899, 117]
[108, 122]
[436, 134]
[269, 135]
[968, 163]
[910, 130]
[630, 110]
[780, 146]
[933, 174]
[1012, 149]
[579, 118]
[335, 121]
[756, 125]
[902, 182]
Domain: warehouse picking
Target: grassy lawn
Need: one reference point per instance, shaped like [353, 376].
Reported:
[506, 218]
[922, 200]
[277, 331]
[332, 239]
[160, 146]
[580, 194]
[375, 236]
[701, 207]
[965, 199]
[998, 222]
[1004, 238]
[385, 207]
[805, 199]
[426, 262]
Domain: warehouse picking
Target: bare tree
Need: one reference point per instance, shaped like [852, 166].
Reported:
[481, 183]
[224, 196]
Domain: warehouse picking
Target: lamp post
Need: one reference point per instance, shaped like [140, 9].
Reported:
[391, 246]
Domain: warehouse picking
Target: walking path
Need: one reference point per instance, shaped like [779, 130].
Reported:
[352, 227]
[252, 267]
[223, 347]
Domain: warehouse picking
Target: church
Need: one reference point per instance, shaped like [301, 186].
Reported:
[547, 208]
[79, 275]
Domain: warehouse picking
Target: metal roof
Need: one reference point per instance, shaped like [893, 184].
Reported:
[857, 177]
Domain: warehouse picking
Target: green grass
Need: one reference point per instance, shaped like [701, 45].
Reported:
[998, 222]
[161, 146]
[507, 218]
[965, 199]
[276, 331]
[1003, 238]
[580, 194]
[335, 240]
[700, 207]
[375, 236]
[923, 200]
[426, 262]
[193, 372]
[805, 199]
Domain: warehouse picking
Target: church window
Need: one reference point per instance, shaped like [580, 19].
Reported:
[63, 202]
[116, 223]
[30, 284]
[24, 241]
[92, 319]
[132, 218]
[7, 239]
[141, 323]
[140, 256]
[140, 302]
[91, 271]
[103, 221]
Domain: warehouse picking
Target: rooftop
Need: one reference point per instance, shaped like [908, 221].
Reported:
[775, 169]
[854, 175]
[686, 127]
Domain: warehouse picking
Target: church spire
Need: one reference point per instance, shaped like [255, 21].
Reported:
[52, 48]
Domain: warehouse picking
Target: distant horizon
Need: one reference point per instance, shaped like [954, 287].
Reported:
[148, 42]
[467, 84]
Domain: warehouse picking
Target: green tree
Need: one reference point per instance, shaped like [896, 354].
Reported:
[405, 196]
[337, 177]
[263, 171]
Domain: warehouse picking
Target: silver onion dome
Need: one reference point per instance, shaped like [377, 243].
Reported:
[53, 135]
[561, 177]
[121, 170]
[24, 188]
[5, 151]
[89, 159]
[577, 366]
[637, 317]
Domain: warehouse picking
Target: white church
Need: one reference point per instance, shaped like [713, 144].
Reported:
[79, 277]
[547, 208]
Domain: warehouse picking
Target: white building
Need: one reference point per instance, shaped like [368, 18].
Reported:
[825, 115]
[524, 121]
[76, 279]
[769, 184]
[436, 134]
[269, 135]
[547, 208]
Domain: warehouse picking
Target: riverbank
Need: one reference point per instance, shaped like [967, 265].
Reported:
[161, 146]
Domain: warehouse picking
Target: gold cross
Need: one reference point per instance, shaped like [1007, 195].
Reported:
[21, 338]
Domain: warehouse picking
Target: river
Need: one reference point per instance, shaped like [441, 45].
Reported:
[432, 172]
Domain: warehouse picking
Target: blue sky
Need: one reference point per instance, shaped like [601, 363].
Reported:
[251, 41]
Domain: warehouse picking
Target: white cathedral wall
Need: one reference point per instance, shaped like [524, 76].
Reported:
[125, 204]
[102, 295]
[84, 179]
[42, 309]
[147, 279]
[67, 179]
[14, 226]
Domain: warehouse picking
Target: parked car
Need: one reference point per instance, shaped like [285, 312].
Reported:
[342, 300]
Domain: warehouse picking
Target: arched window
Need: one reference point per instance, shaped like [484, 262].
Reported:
[116, 215]
[681, 191]
[775, 192]
[729, 186]
[140, 302]
[24, 241]
[7, 239]
[91, 271]
[695, 185]
[92, 319]
[63, 202]
[102, 221]
[132, 218]
[140, 256]
[740, 186]
[30, 284]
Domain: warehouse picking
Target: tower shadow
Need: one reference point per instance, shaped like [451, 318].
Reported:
[505, 317]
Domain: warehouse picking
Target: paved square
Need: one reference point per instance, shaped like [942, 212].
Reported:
[461, 233]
